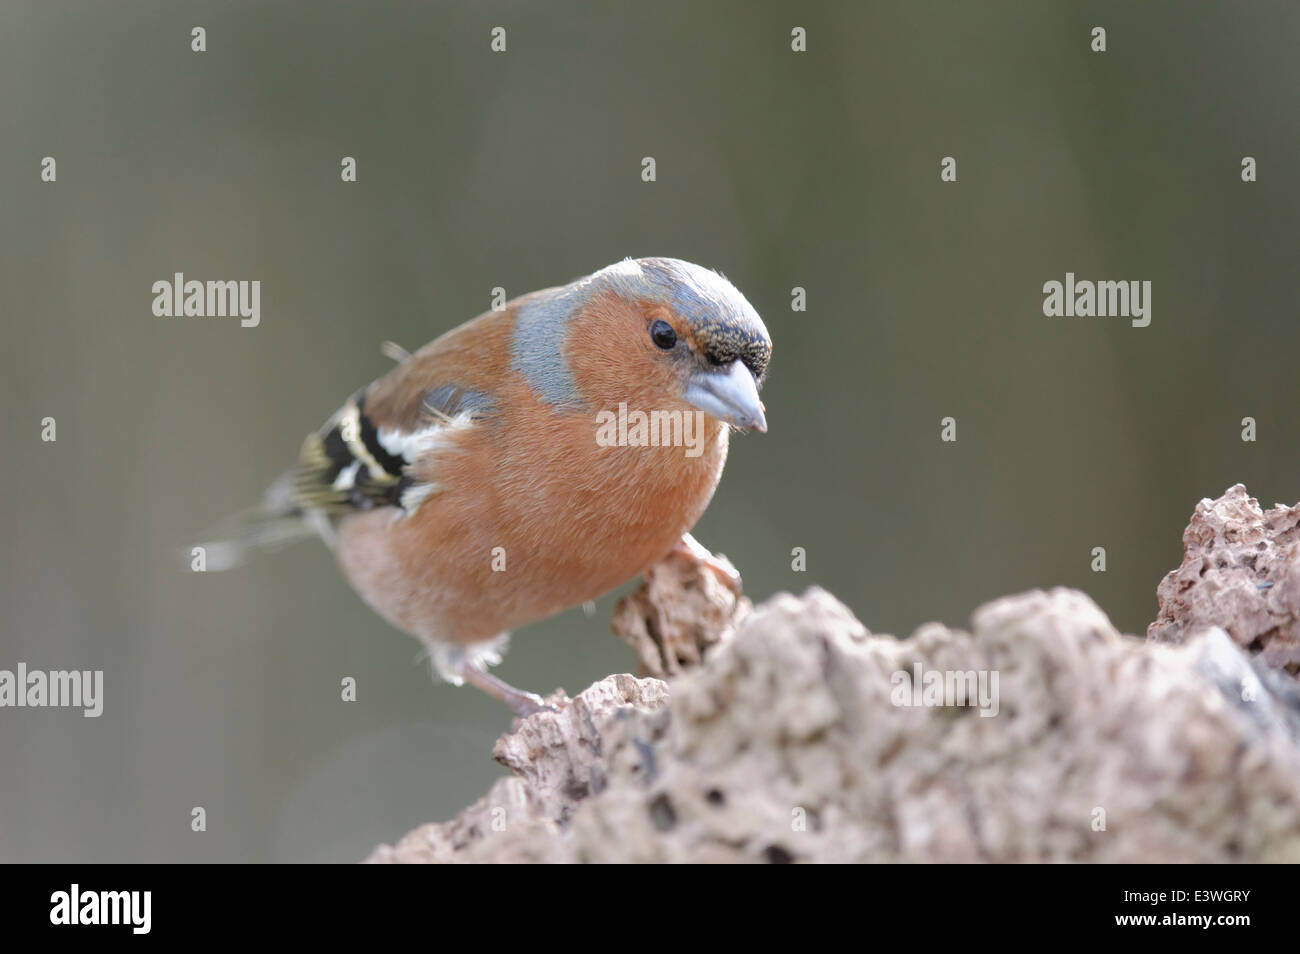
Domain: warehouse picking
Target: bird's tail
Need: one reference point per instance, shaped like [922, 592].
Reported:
[274, 523]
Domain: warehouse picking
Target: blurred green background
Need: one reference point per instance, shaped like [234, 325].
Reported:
[522, 170]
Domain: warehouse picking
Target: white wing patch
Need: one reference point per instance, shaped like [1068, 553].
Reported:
[426, 443]
[347, 476]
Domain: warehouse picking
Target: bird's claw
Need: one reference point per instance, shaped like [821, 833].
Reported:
[721, 567]
[530, 703]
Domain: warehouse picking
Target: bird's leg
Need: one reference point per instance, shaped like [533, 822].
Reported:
[693, 550]
[522, 704]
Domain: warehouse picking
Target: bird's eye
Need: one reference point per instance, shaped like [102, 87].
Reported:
[662, 334]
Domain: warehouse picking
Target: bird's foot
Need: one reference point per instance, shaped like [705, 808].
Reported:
[720, 566]
[529, 703]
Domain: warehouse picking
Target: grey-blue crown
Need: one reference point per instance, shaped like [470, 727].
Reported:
[721, 319]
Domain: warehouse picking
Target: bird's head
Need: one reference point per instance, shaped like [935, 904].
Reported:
[669, 333]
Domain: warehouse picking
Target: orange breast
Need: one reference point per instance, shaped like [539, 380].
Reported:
[533, 517]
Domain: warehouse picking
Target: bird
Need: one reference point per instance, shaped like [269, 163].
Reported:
[505, 471]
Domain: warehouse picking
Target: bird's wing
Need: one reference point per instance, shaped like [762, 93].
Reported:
[377, 449]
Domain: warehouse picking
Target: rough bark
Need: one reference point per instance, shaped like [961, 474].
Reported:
[680, 612]
[792, 741]
[1240, 572]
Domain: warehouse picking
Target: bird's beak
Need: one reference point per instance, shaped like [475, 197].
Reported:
[729, 393]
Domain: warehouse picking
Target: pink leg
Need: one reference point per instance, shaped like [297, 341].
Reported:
[522, 704]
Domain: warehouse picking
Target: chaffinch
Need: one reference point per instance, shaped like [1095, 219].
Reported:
[529, 460]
